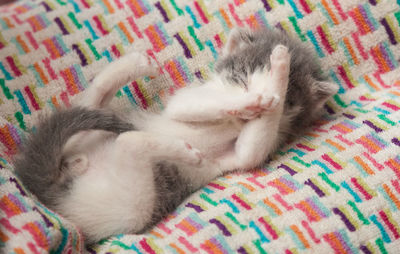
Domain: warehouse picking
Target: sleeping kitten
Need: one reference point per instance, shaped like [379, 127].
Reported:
[112, 176]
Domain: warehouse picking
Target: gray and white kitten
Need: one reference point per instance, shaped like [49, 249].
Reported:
[112, 176]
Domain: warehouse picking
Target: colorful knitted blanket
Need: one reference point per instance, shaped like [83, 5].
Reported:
[334, 190]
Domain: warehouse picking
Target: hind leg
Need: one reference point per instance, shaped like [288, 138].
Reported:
[117, 74]
[139, 147]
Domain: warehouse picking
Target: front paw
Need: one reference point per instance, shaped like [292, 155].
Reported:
[270, 102]
[257, 105]
[280, 60]
[194, 156]
[146, 64]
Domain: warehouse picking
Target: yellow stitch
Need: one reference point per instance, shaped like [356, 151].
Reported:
[393, 28]
[199, 204]
[285, 26]
[346, 68]
[329, 37]
[321, 187]
[223, 37]
[309, 144]
[103, 23]
[4, 42]
[269, 221]
[186, 41]
[380, 125]
[394, 102]
[153, 245]
[366, 187]
[204, 73]
[371, 247]
[228, 225]
[143, 90]
[271, 4]
[120, 48]
[311, 5]
[349, 217]
[295, 168]
[167, 10]
[390, 217]
[33, 90]
[84, 52]
[18, 64]
[242, 197]
[113, 249]
[51, 4]
[247, 249]
[335, 159]
[201, 3]
[66, 24]
[221, 183]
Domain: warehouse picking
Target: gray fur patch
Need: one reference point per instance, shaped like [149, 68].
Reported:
[38, 164]
[171, 189]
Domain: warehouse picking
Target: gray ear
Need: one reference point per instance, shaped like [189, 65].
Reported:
[322, 90]
[238, 37]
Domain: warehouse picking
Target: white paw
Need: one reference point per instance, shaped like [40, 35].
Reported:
[280, 51]
[280, 58]
[250, 109]
[269, 102]
[195, 157]
[145, 63]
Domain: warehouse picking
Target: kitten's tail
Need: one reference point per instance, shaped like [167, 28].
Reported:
[39, 163]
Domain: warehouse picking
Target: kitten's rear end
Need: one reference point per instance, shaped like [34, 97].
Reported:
[40, 161]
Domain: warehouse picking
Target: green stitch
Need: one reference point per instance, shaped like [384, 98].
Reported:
[63, 243]
[207, 199]
[20, 118]
[297, 159]
[379, 242]
[233, 218]
[178, 10]
[339, 101]
[328, 181]
[297, 28]
[397, 15]
[61, 2]
[6, 90]
[71, 15]
[387, 120]
[196, 39]
[358, 212]
[120, 244]
[93, 49]
[257, 243]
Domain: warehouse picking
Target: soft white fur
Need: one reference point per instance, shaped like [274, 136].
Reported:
[208, 129]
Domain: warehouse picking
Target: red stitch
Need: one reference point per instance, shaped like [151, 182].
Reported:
[235, 16]
[201, 12]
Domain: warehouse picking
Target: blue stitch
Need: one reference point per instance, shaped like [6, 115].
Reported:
[315, 43]
[385, 236]
[193, 17]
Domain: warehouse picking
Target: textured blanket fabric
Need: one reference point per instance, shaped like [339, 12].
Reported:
[334, 190]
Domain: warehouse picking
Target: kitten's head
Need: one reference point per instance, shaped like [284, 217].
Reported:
[248, 51]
